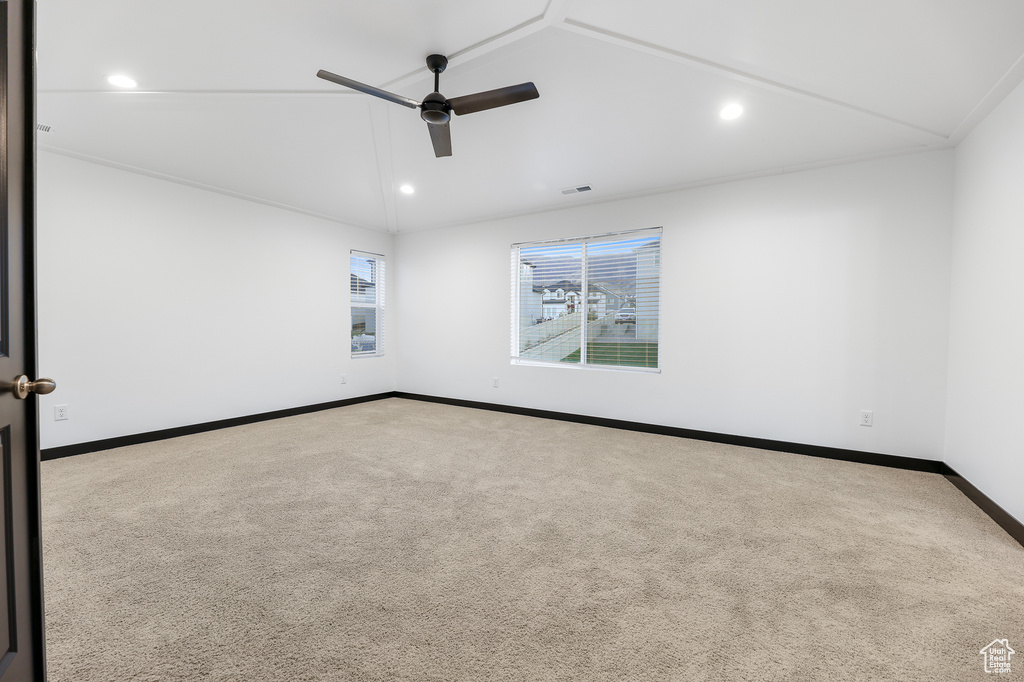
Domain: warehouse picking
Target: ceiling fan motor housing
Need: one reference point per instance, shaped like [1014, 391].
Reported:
[435, 109]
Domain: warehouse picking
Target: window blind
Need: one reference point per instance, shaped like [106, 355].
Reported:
[590, 301]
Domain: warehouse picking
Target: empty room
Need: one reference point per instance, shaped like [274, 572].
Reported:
[547, 340]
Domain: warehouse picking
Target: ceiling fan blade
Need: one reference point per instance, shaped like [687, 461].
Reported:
[441, 138]
[368, 89]
[513, 94]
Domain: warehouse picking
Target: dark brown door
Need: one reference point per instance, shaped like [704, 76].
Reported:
[21, 593]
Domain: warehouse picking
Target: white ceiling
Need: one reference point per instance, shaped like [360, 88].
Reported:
[630, 91]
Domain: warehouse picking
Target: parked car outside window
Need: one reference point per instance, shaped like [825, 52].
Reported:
[626, 316]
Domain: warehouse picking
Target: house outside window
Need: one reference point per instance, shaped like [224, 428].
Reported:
[588, 301]
[366, 278]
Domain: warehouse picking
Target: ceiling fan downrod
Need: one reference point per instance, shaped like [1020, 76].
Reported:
[435, 109]
[437, 63]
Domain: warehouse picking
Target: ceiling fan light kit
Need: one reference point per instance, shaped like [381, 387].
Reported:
[435, 109]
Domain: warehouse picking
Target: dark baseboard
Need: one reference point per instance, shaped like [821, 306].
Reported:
[895, 461]
[1005, 520]
[162, 434]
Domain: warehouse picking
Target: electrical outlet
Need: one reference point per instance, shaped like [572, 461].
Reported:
[60, 413]
[344, 379]
[867, 417]
[495, 382]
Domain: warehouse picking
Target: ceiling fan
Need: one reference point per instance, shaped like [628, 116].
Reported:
[435, 109]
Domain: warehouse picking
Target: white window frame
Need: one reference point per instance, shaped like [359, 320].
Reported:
[516, 271]
[378, 304]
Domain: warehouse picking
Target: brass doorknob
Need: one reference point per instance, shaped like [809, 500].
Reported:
[22, 386]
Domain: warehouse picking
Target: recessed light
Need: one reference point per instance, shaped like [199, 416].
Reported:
[406, 189]
[731, 111]
[122, 81]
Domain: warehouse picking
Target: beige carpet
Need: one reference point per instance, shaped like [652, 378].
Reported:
[400, 540]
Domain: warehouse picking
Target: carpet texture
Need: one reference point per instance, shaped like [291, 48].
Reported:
[402, 540]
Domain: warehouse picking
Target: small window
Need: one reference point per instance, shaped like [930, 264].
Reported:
[366, 275]
[589, 301]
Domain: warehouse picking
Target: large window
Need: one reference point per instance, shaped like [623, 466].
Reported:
[366, 274]
[591, 301]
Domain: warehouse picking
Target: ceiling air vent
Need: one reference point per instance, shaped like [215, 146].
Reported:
[576, 190]
[43, 128]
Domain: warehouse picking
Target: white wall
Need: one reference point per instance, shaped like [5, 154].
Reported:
[163, 305]
[985, 422]
[789, 304]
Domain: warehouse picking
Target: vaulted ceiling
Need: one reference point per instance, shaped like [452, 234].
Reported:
[630, 94]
